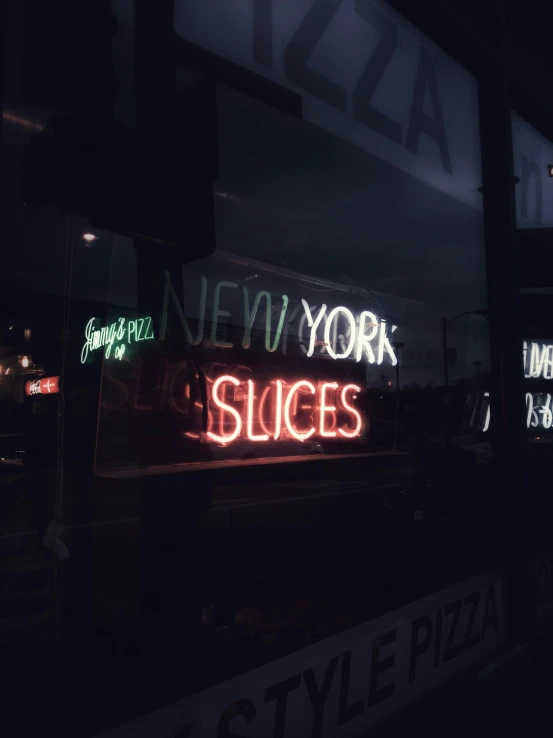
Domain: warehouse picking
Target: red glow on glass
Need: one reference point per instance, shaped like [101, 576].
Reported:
[249, 423]
[226, 408]
[352, 410]
[326, 409]
[287, 420]
[277, 407]
[44, 386]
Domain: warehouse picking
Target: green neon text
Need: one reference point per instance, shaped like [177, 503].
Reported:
[115, 336]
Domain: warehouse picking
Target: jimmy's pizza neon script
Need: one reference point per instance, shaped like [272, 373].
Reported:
[334, 331]
[115, 334]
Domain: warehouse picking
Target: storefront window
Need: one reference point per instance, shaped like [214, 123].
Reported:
[213, 452]
[533, 156]
[345, 241]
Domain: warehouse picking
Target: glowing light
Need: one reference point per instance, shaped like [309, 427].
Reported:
[249, 318]
[249, 425]
[226, 408]
[324, 409]
[356, 414]
[547, 418]
[537, 360]
[287, 421]
[539, 412]
[358, 341]
[532, 416]
[218, 313]
[277, 409]
[262, 407]
[44, 386]
[313, 325]
[333, 314]
[24, 361]
[89, 238]
[363, 339]
[385, 345]
[488, 414]
[106, 337]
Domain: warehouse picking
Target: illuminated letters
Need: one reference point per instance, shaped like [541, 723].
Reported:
[324, 409]
[333, 314]
[351, 341]
[249, 408]
[251, 397]
[277, 414]
[227, 408]
[363, 339]
[359, 422]
[250, 317]
[313, 324]
[537, 360]
[218, 313]
[357, 337]
[287, 421]
[539, 411]
[384, 344]
[107, 336]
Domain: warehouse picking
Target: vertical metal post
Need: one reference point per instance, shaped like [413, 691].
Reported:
[444, 340]
[508, 426]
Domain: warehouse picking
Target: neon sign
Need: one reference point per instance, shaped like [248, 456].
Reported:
[360, 336]
[538, 360]
[539, 411]
[114, 336]
[298, 410]
[44, 386]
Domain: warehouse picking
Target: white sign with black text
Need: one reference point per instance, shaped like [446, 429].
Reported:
[347, 683]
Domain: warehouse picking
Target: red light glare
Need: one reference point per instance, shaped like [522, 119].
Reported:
[260, 413]
[44, 386]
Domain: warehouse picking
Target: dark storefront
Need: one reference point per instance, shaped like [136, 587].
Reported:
[263, 441]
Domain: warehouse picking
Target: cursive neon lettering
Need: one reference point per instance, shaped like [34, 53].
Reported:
[111, 337]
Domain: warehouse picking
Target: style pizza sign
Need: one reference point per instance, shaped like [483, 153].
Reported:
[344, 685]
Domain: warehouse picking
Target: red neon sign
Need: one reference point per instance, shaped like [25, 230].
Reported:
[44, 386]
[278, 410]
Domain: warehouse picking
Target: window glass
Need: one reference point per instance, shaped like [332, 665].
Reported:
[204, 457]
[532, 157]
[345, 240]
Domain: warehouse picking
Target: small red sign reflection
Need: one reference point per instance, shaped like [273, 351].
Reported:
[44, 386]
